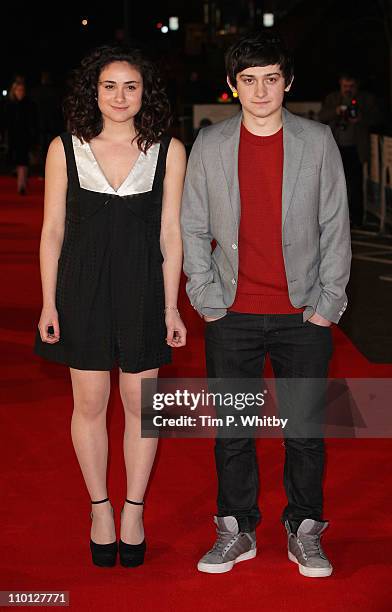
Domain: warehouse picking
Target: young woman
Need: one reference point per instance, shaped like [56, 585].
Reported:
[111, 257]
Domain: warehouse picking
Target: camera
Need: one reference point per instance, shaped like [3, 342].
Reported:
[352, 109]
[349, 110]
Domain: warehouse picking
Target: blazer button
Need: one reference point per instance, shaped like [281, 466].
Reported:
[234, 282]
[234, 246]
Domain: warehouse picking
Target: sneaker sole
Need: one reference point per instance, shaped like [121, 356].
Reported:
[311, 572]
[221, 568]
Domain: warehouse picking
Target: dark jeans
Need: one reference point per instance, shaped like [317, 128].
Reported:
[354, 178]
[236, 346]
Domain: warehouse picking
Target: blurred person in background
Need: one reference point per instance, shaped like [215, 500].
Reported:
[21, 131]
[47, 99]
[351, 112]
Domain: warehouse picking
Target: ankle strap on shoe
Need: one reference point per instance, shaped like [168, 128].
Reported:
[100, 501]
[129, 501]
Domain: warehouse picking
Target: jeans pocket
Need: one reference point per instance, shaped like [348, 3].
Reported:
[215, 320]
[317, 325]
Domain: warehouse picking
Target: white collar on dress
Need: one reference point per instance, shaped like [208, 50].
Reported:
[91, 177]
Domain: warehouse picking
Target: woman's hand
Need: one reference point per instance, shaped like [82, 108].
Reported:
[176, 331]
[49, 317]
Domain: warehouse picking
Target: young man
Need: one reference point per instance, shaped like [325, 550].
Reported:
[274, 284]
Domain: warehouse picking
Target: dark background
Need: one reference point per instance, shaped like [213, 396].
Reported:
[325, 36]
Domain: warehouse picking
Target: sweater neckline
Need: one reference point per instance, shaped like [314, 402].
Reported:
[260, 140]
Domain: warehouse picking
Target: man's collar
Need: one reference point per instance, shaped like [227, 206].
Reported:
[290, 123]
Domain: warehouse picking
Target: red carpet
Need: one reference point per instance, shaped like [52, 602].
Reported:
[45, 509]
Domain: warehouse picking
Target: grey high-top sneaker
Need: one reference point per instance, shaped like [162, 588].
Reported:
[305, 548]
[231, 546]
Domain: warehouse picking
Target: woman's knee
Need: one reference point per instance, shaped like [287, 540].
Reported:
[89, 408]
[90, 393]
[90, 405]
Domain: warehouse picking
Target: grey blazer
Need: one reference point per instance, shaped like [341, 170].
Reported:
[315, 220]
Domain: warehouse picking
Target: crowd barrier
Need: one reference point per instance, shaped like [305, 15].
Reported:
[378, 181]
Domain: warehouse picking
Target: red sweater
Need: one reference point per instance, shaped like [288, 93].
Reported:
[262, 283]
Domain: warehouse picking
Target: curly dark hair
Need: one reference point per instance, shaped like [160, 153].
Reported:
[259, 48]
[81, 110]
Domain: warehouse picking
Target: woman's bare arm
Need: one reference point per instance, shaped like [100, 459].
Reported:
[52, 234]
[171, 242]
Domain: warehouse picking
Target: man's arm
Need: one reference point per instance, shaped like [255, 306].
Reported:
[335, 240]
[196, 233]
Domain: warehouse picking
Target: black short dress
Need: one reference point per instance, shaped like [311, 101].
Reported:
[110, 293]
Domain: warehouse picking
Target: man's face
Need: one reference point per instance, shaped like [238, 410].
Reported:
[261, 90]
[348, 87]
[19, 91]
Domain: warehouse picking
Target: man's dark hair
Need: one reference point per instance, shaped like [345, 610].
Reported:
[349, 75]
[259, 48]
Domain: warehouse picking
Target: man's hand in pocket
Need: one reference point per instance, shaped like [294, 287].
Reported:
[317, 319]
[210, 319]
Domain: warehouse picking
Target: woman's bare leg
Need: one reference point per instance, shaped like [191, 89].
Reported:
[139, 454]
[91, 390]
[21, 178]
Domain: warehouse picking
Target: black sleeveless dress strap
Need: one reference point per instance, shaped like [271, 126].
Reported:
[72, 171]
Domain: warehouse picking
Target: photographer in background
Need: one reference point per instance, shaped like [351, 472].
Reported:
[351, 113]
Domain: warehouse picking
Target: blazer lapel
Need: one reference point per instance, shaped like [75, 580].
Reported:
[293, 147]
[228, 149]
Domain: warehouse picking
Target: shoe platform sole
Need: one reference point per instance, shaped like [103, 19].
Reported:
[311, 572]
[221, 568]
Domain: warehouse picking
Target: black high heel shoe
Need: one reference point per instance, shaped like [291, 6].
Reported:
[132, 555]
[103, 555]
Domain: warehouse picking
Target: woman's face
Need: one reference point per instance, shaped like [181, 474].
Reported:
[120, 89]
